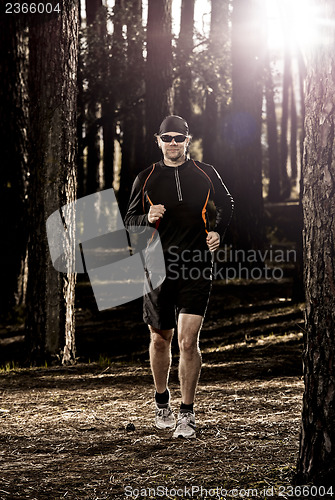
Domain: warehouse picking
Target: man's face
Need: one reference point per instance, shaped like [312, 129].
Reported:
[173, 150]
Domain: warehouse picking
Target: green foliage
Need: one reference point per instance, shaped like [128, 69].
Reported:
[104, 361]
[9, 366]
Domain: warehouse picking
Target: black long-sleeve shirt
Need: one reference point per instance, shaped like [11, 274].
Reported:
[185, 192]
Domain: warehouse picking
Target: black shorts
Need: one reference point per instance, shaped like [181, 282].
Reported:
[162, 306]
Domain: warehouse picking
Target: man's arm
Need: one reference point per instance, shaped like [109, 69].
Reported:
[134, 216]
[224, 203]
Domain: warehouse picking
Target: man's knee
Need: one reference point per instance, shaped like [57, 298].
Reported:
[160, 339]
[188, 344]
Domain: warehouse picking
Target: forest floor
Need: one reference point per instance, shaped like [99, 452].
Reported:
[64, 434]
[64, 430]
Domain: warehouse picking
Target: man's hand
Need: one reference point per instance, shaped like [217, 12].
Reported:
[213, 240]
[155, 213]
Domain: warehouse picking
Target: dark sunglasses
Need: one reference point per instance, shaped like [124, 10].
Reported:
[169, 138]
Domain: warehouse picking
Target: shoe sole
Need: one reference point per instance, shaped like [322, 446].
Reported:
[165, 428]
[181, 436]
[162, 426]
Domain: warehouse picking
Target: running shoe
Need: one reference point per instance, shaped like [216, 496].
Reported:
[164, 418]
[185, 426]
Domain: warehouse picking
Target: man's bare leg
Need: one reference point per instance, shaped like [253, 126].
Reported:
[160, 360]
[189, 326]
[160, 357]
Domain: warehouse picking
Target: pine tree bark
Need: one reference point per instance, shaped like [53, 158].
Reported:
[293, 136]
[302, 76]
[53, 53]
[80, 120]
[316, 463]
[158, 79]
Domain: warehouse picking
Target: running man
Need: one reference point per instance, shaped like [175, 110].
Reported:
[172, 196]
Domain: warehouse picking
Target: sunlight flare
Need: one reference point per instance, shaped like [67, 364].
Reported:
[297, 23]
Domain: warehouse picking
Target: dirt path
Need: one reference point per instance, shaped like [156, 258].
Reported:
[64, 433]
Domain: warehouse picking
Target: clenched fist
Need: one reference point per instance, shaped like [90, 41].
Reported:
[155, 213]
[213, 241]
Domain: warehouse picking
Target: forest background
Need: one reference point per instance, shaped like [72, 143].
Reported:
[240, 90]
[84, 88]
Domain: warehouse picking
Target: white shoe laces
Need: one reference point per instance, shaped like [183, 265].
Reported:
[163, 412]
[184, 419]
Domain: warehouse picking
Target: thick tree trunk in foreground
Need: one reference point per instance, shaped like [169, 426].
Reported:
[52, 147]
[316, 462]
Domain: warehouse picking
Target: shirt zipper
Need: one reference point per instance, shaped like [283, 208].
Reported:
[176, 174]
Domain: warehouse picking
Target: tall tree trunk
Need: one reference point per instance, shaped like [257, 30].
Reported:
[183, 104]
[136, 66]
[80, 120]
[13, 179]
[116, 65]
[107, 110]
[287, 78]
[52, 146]
[94, 32]
[302, 76]
[158, 78]
[133, 159]
[108, 141]
[316, 463]
[218, 39]
[92, 10]
[247, 64]
[294, 135]
[298, 278]
[298, 293]
[108, 117]
[272, 134]
[107, 106]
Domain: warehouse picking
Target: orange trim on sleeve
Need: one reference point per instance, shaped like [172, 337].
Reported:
[145, 182]
[149, 200]
[203, 213]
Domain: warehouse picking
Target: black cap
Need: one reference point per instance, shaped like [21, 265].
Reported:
[173, 123]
